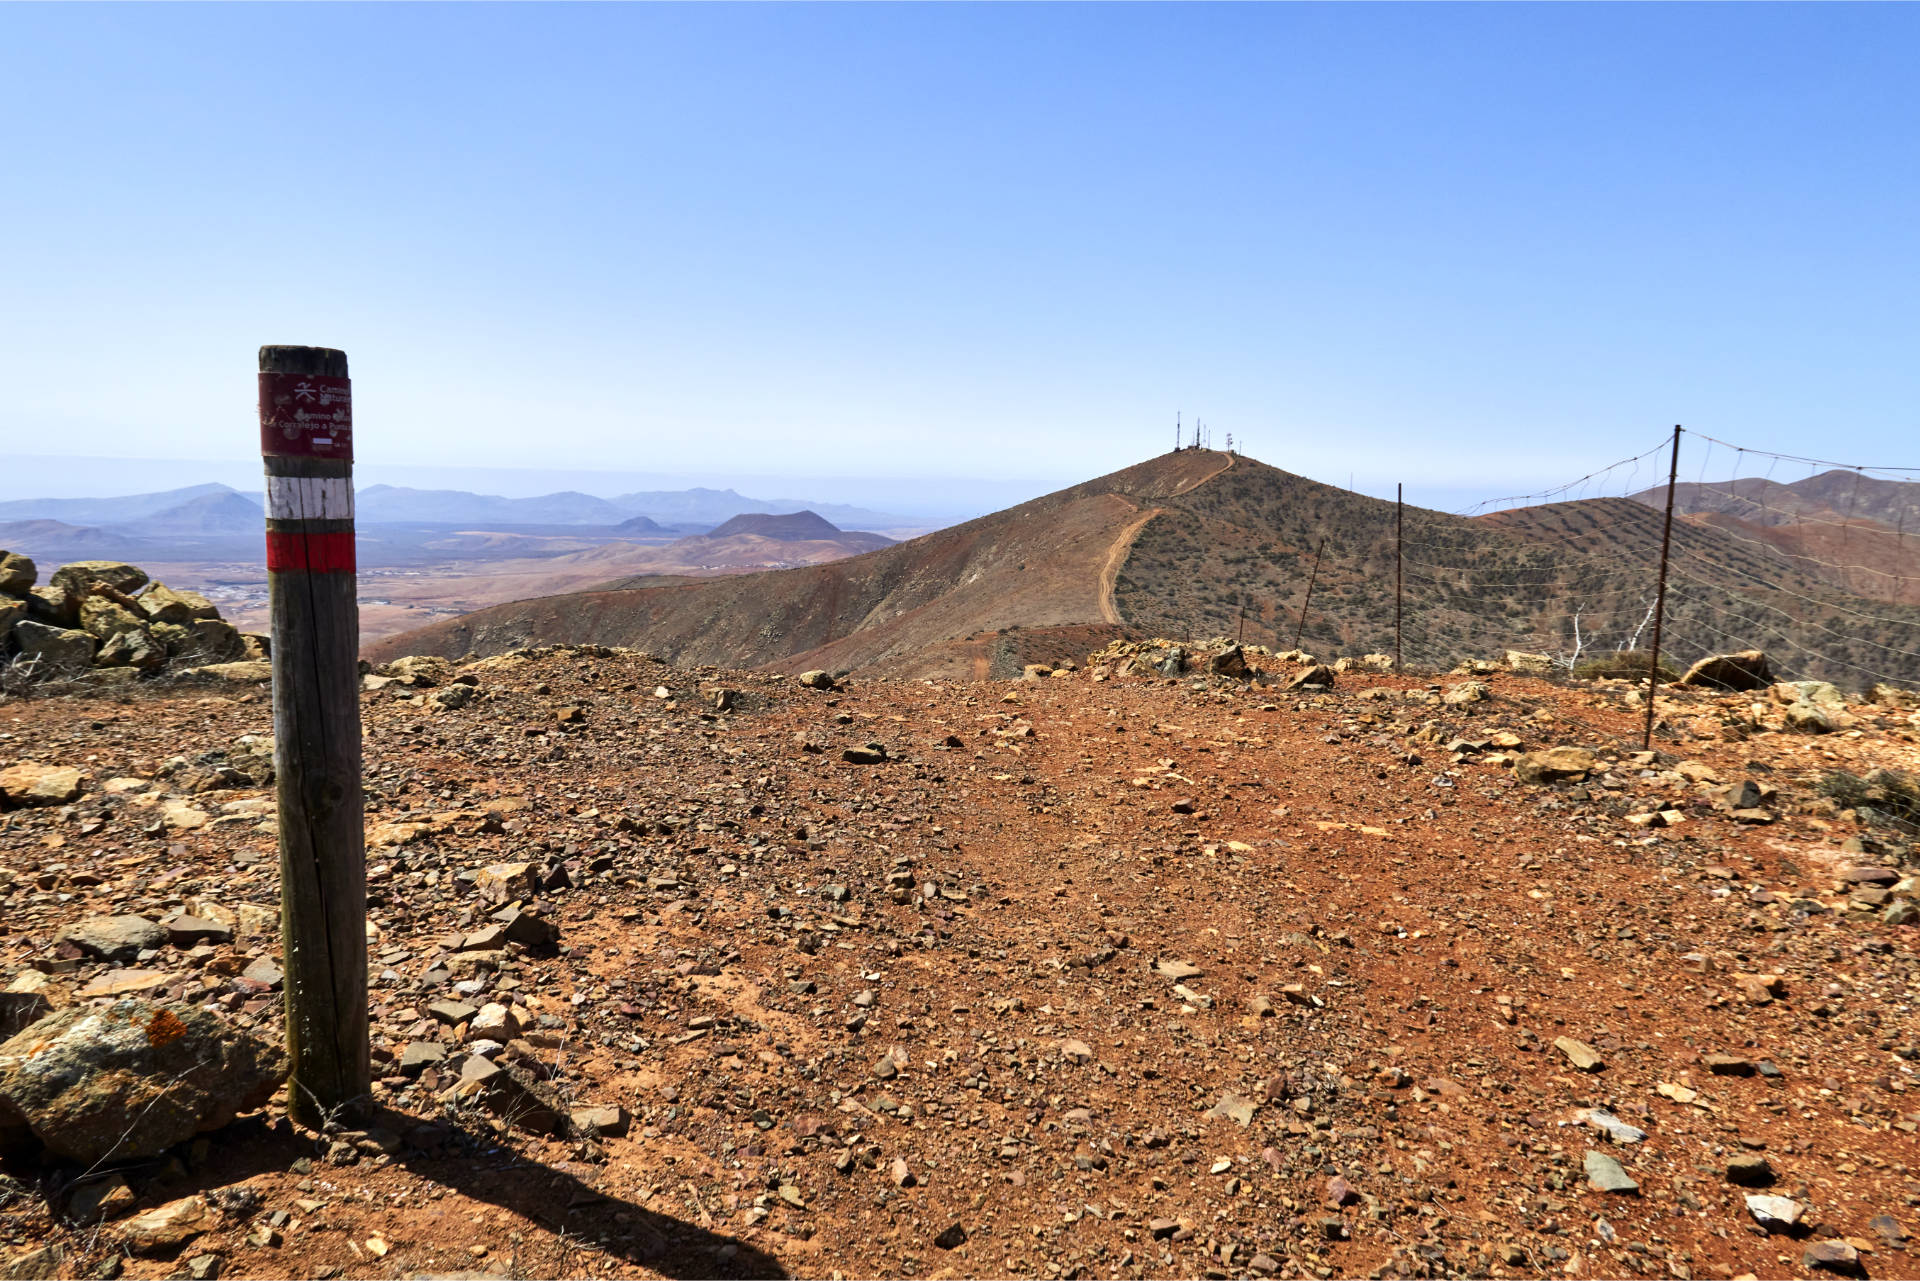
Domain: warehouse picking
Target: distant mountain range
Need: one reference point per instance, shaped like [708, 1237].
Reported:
[217, 521]
[109, 511]
[668, 509]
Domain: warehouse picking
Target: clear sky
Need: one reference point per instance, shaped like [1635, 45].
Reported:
[1473, 248]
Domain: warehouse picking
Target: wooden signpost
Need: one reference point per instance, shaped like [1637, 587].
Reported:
[306, 442]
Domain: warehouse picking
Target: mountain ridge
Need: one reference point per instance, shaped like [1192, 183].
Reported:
[1202, 543]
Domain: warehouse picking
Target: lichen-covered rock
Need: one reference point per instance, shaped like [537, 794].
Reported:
[1531, 664]
[423, 670]
[54, 606]
[30, 783]
[212, 640]
[106, 617]
[1554, 763]
[166, 604]
[135, 648]
[17, 574]
[131, 1079]
[78, 577]
[54, 651]
[11, 612]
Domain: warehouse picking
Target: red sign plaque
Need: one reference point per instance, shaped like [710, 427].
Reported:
[306, 416]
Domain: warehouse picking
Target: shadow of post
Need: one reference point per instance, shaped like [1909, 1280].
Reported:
[565, 1204]
[476, 1164]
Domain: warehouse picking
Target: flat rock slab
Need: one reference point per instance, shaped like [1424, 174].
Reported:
[30, 783]
[1605, 1174]
[1232, 1107]
[133, 1078]
[1580, 1054]
[167, 1228]
[126, 983]
[1775, 1213]
[117, 938]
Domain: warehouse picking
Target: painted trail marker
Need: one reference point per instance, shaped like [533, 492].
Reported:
[306, 443]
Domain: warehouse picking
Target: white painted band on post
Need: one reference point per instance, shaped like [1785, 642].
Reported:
[309, 498]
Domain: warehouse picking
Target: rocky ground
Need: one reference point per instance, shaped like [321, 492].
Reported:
[709, 973]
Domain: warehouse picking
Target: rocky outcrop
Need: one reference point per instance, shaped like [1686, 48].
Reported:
[1748, 669]
[87, 625]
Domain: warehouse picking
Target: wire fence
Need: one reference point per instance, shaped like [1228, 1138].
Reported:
[1813, 562]
[1808, 560]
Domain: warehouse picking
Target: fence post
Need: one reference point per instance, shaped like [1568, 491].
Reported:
[1398, 495]
[306, 443]
[1660, 594]
[1312, 578]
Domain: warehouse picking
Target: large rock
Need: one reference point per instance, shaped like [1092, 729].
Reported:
[166, 604]
[1530, 664]
[1553, 764]
[1819, 692]
[55, 606]
[131, 1079]
[1230, 662]
[11, 612]
[1812, 718]
[510, 1094]
[424, 670]
[79, 577]
[212, 640]
[1748, 669]
[1894, 696]
[17, 574]
[164, 1230]
[106, 617]
[116, 938]
[30, 783]
[54, 651]
[134, 648]
[1319, 676]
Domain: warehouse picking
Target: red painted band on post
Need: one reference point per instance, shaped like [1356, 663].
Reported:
[329, 553]
[306, 416]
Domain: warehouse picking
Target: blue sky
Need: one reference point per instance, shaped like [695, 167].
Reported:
[1472, 248]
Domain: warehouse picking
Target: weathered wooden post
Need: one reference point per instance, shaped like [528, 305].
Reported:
[306, 441]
